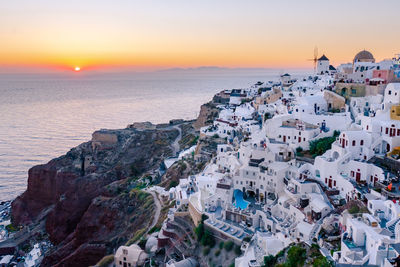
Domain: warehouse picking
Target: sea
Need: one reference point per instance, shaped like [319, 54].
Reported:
[42, 116]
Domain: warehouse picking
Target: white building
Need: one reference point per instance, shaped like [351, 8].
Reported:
[323, 65]
[130, 256]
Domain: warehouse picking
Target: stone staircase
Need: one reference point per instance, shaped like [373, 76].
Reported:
[392, 227]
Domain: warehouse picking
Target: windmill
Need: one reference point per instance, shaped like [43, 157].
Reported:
[315, 59]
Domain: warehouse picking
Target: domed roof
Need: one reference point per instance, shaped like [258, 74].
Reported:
[364, 56]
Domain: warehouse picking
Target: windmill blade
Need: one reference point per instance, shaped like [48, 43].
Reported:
[316, 52]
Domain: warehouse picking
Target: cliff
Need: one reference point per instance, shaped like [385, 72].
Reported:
[208, 113]
[86, 196]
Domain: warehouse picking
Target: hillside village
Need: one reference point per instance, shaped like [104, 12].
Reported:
[312, 161]
[291, 172]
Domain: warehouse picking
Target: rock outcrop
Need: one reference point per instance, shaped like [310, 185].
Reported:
[208, 113]
[85, 196]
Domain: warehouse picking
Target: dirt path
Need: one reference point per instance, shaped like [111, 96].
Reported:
[175, 144]
[158, 209]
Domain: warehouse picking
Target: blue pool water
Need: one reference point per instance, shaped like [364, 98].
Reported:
[239, 201]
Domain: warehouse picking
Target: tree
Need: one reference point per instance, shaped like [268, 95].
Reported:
[208, 239]
[296, 256]
[321, 262]
[228, 245]
[173, 183]
[269, 261]
[238, 251]
[199, 231]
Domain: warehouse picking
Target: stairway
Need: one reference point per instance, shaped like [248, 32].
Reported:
[392, 227]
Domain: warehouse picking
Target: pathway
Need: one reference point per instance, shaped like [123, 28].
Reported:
[175, 145]
[158, 209]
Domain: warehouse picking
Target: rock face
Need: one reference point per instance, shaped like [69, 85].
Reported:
[89, 210]
[208, 112]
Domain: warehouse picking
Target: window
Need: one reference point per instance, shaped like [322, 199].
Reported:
[367, 127]
[353, 91]
[361, 142]
[389, 92]
[353, 143]
[386, 131]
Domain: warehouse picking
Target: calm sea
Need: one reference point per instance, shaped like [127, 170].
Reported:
[43, 116]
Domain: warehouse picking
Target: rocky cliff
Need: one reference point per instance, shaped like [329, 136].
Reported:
[208, 113]
[86, 196]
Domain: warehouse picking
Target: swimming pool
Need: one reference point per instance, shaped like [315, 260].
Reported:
[239, 202]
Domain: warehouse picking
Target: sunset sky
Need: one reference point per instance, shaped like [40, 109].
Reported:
[107, 34]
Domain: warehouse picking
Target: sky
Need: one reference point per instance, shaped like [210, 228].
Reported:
[159, 34]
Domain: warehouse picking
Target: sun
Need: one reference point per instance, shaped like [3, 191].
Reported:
[77, 69]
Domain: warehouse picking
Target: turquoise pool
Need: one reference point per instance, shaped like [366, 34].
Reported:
[239, 202]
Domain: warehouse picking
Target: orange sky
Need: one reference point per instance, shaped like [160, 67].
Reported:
[161, 34]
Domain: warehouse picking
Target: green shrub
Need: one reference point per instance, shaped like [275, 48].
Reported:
[199, 230]
[208, 239]
[154, 229]
[247, 239]
[228, 245]
[269, 261]
[217, 252]
[296, 256]
[354, 209]
[206, 251]
[321, 261]
[221, 245]
[11, 228]
[173, 184]
[238, 251]
[142, 243]
[320, 146]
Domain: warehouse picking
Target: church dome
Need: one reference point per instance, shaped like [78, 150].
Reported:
[364, 56]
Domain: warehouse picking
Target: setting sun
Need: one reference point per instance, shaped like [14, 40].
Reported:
[77, 68]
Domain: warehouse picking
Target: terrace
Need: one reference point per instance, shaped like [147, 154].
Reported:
[230, 229]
